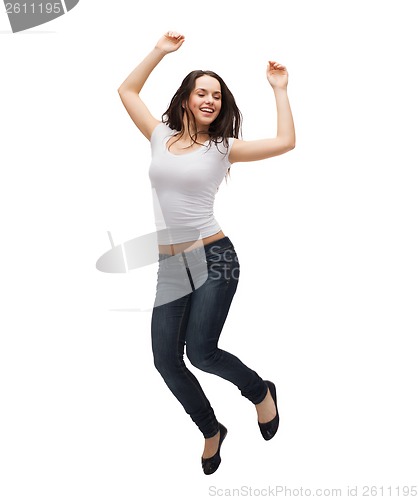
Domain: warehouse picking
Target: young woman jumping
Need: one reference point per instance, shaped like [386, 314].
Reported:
[193, 148]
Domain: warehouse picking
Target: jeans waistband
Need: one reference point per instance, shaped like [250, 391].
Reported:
[220, 244]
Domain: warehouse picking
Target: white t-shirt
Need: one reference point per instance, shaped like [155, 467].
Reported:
[184, 187]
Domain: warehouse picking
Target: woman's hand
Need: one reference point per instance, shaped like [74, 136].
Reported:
[170, 42]
[277, 75]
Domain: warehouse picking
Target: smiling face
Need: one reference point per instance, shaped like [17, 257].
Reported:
[205, 101]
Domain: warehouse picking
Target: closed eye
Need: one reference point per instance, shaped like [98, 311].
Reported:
[216, 97]
[203, 92]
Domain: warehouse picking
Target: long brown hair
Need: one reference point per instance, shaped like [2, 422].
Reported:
[227, 124]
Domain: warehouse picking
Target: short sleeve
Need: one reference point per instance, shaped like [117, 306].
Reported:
[159, 132]
[230, 144]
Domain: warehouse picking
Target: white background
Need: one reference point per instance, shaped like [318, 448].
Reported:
[327, 237]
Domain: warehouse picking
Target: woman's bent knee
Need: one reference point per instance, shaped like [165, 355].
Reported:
[201, 360]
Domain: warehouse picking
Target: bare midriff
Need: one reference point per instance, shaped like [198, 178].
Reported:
[185, 246]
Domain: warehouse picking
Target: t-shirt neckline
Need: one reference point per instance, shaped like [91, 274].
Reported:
[205, 145]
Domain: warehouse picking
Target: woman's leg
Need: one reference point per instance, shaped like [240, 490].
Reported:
[168, 328]
[209, 306]
[197, 318]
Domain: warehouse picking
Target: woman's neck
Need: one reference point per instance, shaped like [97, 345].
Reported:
[200, 136]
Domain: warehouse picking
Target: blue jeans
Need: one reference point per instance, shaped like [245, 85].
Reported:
[196, 318]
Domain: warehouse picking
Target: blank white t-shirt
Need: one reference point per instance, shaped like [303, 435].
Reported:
[184, 187]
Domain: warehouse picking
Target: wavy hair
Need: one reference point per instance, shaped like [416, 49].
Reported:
[227, 124]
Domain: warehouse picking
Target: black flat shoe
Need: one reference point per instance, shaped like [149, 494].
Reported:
[268, 429]
[211, 464]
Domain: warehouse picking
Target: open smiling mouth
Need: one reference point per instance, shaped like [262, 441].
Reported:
[207, 110]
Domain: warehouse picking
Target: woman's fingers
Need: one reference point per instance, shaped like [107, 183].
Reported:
[170, 41]
[277, 74]
[275, 65]
[174, 35]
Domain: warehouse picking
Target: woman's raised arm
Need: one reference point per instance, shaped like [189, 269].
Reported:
[131, 87]
[285, 135]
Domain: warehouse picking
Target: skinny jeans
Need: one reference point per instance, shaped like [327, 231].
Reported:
[194, 292]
